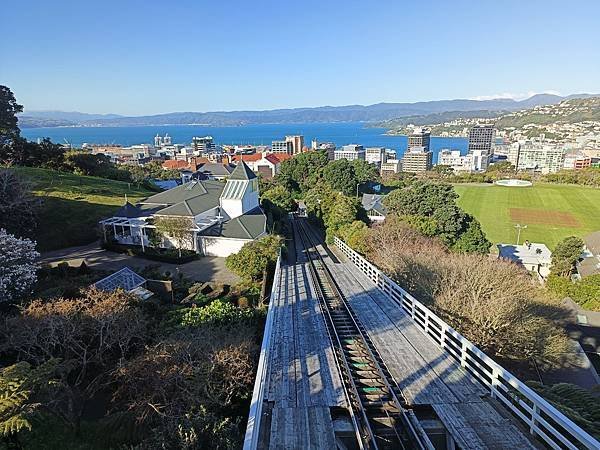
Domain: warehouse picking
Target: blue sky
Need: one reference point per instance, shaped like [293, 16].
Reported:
[146, 57]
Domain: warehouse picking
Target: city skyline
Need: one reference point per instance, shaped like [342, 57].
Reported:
[142, 59]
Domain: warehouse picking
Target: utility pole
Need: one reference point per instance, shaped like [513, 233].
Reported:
[519, 227]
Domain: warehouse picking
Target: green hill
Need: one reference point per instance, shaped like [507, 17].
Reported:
[73, 204]
[568, 111]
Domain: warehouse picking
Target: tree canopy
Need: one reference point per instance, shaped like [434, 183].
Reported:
[566, 254]
[9, 130]
[302, 171]
[431, 208]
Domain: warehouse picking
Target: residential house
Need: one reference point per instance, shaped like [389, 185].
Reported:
[373, 204]
[214, 171]
[223, 216]
[536, 258]
[590, 263]
[264, 164]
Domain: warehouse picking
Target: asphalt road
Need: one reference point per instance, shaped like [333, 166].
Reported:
[207, 268]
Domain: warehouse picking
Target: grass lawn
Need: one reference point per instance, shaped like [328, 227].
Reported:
[73, 204]
[550, 211]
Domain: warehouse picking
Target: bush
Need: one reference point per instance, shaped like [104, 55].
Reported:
[354, 235]
[192, 388]
[255, 257]
[493, 303]
[219, 312]
[586, 292]
[578, 404]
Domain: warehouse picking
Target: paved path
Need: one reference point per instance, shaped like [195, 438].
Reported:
[207, 268]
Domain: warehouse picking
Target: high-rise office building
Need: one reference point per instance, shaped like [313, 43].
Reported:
[203, 144]
[419, 138]
[481, 138]
[297, 143]
[417, 159]
[282, 147]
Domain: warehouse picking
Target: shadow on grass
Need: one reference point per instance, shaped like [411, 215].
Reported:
[67, 223]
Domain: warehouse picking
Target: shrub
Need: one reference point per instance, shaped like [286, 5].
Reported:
[18, 266]
[493, 303]
[585, 292]
[217, 312]
[254, 257]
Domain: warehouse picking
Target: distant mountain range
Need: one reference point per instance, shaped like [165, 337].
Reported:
[323, 114]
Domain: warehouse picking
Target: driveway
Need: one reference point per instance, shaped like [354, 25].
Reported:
[207, 268]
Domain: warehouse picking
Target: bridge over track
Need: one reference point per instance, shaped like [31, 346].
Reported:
[351, 361]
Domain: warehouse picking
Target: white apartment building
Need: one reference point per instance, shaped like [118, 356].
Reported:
[391, 166]
[510, 151]
[297, 143]
[540, 157]
[350, 152]
[203, 144]
[453, 159]
[480, 160]
[375, 155]
[286, 147]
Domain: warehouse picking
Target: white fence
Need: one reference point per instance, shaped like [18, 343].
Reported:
[543, 420]
[253, 427]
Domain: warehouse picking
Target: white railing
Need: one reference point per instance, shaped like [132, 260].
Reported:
[253, 427]
[543, 420]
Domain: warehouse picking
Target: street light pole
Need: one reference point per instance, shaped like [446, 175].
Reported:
[357, 185]
[519, 227]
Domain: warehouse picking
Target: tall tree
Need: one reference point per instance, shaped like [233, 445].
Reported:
[9, 130]
[566, 254]
[341, 176]
[421, 198]
[302, 171]
[365, 171]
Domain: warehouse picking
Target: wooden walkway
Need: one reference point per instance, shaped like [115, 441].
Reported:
[303, 382]
[425, 374]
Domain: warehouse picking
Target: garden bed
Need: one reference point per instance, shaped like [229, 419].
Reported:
[151, 253]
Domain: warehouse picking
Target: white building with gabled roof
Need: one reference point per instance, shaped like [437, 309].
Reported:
[223, 216]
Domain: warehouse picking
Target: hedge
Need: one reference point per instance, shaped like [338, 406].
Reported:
[154, 254]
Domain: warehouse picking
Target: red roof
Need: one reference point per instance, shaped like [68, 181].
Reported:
[248, 158]
[273, 159]
[175, 164]
[283, 157]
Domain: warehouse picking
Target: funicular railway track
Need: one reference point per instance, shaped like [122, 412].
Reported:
[376, 404]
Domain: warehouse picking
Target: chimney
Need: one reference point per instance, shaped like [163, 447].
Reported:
[193, 164]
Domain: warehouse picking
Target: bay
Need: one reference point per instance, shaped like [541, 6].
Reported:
[338, 133]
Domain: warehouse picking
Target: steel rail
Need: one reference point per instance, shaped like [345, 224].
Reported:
[407, 435]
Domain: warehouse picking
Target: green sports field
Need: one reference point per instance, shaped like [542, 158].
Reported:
[550, 211]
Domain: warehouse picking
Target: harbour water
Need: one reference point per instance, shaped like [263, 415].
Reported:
[338, 133]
